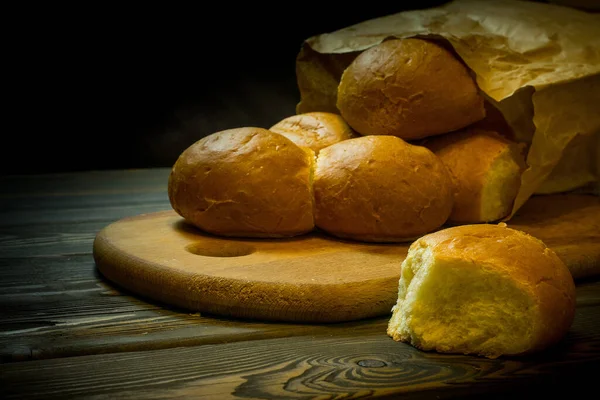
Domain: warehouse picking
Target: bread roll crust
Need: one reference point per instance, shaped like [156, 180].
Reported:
[247, 182]
[315, 130]
[380, 189]
[411, 88]
[486, 173]
[515, 263]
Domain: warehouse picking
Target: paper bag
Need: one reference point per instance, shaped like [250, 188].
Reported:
[539, 64]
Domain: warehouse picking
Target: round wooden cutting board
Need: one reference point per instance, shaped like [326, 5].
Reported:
[311, 278]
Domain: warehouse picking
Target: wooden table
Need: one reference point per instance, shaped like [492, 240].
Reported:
[66, 332]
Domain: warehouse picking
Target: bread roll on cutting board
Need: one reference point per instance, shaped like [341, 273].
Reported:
[484, 290]
[411, 88]
[380, 189]
[486, 173]
[314, 129]
[247, 182]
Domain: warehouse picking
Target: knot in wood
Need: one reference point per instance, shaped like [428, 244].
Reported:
[371, 363]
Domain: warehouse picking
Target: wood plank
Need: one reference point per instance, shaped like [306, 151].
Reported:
[86, 200]
[85, 337]
[72, 183]
[31, 216]
[69, 309]
[136, 331]
[54, 304]
[75, 215]
[45, 270]
[61, 306]
[337, 363]
[82, 196]
[47, 240]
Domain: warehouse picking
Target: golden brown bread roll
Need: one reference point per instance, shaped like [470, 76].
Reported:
[410, 88]
[314, 129]
[380, 188]
[486, 173]
[246, 182]
[484, 290]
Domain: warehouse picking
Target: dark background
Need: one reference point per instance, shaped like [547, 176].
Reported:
[103, 87]
[106, 87]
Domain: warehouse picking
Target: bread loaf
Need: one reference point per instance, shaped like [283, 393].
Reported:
[484, 290]
[247, 182]
[380, 189]
[486, 173]
[314, 129]
[411, 88]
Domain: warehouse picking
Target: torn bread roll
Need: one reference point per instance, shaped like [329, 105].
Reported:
[411, 88]
[315, 130]
[247, 182]
[380, 189]
[486, 173]
[484, 290]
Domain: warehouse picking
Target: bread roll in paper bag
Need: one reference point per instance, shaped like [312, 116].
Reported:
[539, 64]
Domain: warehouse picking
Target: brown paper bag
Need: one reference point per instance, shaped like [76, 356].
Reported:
[539, 64]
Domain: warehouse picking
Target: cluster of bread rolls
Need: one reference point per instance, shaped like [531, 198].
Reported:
[415, 147]
[412, 148]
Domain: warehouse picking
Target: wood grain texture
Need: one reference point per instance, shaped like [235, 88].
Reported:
[310, 278]
[53, 302]
[128, 181]
[67, 332]
[59, 306]
[337, 363]
[569, 224]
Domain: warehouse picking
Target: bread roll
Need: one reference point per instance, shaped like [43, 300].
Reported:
[410, 88]
[246, 182]
[484, 290]
[380, 189]
[486, 173]
[314, 129]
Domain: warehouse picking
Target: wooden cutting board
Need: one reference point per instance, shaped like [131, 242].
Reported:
[312, 278]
